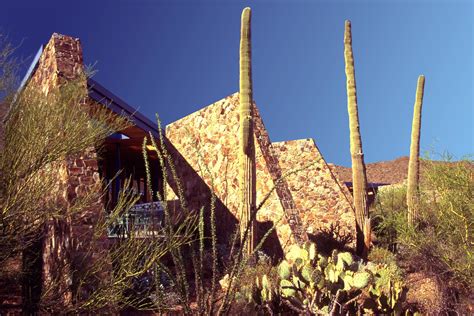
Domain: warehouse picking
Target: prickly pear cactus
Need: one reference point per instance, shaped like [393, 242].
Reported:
[386, 290]
[315, 284]
[263, 290]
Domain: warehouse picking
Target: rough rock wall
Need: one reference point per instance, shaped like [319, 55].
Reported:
[208, 141]
[61, 61]
[308, 199]
[321, 199]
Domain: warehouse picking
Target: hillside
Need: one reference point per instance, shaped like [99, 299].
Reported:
[384, 172]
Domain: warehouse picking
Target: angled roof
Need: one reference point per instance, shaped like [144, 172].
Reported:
[100, 94]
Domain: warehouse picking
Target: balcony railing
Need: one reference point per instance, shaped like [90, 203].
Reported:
[143, 220]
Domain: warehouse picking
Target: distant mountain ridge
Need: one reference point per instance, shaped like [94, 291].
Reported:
[384, 172]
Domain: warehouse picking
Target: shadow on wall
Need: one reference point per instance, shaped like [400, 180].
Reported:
[271, 246]
[329, 239]
[198, 194]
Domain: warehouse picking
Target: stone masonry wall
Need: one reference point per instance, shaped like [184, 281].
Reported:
[204, 147]
[61, 61]
[308, 200]
[208, 140]
[322, 200]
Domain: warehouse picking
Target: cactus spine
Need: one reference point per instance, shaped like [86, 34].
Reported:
[247, 175]
[359, 178]
[414, 163]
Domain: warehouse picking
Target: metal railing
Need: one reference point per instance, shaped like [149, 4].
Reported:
[143, 220]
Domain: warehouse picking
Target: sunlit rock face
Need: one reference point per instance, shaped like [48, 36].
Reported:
[321, 199]
[61, 60]
[295, 187]
[308, 199]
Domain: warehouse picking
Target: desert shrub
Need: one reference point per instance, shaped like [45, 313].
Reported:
[257, 287]
[450, 216]
[442, 242]
[389, 215]
[39, 133]
[382, 256]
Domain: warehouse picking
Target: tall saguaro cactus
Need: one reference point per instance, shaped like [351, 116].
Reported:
[414, 163]
[247, 176]
[359, 178]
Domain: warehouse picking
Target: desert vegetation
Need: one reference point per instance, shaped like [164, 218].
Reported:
[247, 170]
[439, 248]
[414, 163]
[414, 250]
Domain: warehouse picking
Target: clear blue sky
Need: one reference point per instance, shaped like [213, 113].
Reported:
[174, 57]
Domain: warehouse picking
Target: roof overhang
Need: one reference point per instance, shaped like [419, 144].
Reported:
[370, 185]
[100, 94]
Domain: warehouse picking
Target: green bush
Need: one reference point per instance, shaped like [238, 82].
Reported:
[449, 217]
[257, 286]
[442, 243]
[389, 216]
[382, 256]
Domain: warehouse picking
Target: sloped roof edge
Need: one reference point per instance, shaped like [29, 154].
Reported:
[100, 94]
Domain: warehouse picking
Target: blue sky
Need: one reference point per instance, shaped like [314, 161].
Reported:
[175, 57]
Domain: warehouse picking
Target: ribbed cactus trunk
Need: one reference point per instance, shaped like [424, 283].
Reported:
[247, 177]
[414, 163]
[359, 178]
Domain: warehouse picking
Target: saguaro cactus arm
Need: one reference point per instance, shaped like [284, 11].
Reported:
[414, 163]
[359, 178]
[247, 170]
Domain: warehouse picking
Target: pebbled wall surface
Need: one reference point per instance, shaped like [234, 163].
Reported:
[323, 202]
[309, 199]
[208, 141]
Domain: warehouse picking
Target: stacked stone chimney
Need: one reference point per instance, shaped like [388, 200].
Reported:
[61, 61]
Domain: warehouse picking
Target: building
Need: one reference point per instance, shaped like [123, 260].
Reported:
[303, 195]
[305, 200]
